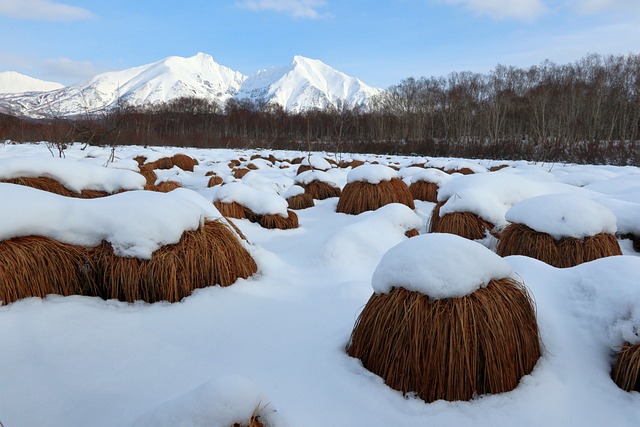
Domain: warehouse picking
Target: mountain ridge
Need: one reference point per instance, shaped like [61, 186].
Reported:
[301, 85]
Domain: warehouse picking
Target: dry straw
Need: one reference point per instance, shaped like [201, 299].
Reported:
[211, 255]
[626, 371]
[465, 224]
[300, 201]
[425, 191]
[359, 196]
[37, 266]
[184, 162]
[518, 239]
[279, 222]
[52, 186]
[214, 180]
[452, 349]
[231, 210]
[164, 187]
[321, 190]
[238, 173]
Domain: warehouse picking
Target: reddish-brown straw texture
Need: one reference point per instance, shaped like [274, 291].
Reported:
[239, 172]
[164, 187]
[321, 190]
[150, 175]
[214, 180]
[358, 197]
[450, 349]
[626, 371]
[425, 191]
[233, 163]
[37, 266]
[184, 162]
[518, 239]
[52, 186]
[279, 222]
[301, 201]
[211, 255]
[465, 224]
[412, 233]
[231, 210]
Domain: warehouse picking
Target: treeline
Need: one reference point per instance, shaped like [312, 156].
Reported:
[588, 111]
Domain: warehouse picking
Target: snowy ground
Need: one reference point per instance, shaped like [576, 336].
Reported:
[277, 339]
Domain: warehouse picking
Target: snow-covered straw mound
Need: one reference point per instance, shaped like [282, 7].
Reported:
[438, 265]
[136, 223]
[373, 174]
[74, 175]
[259, 202]
[439, 292]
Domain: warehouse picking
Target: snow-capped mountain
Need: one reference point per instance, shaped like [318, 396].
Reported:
[304, 84]
[12, 83]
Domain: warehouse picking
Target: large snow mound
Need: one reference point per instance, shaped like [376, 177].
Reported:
[438, 265]
[563, 215]
[259, 202]
[373, 174]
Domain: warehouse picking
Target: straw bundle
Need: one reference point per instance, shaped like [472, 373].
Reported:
[184, 162]
[321, 190]
[412, 233]
[518, 239]
[231, 210]
[52, 186]
[163, 163]
[233, 163]
[452, 348]
[211, 255]
[300, 201]
[425, 191]
[214, 180]
[463, 171]
[279, 222]
[465, 224]
[353, 164]
[37, 266]
[360, 196]
[238, 173]
[149, 174]
[626, 371]
[164, 187]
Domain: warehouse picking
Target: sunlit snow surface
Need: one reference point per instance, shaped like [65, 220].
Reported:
[276, 340]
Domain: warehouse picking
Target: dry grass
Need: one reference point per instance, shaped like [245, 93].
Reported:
[358, 197]
[238, 173]
[52, 186]
[184, 162]
[164, 187]
[465, 224]
[463, 171]
[518, 239]
[37, 266]
[353, 164]
[279, 222]
[412, 233]
[626, 370]
[252, 167]
[301, 201]
[150, 175]
[163, 163]
[140, 160]
[449, 349]
[497, 168]
[214, 180]
[231, 210]
[321, 190]
[211, 255]
[234, 163]
[425, 191]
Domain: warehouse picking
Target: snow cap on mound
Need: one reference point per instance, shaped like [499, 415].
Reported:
[74, 175]
[563, 215]
[294, 190]
[222, 402]
[373, 174]
[317, 162]
[136, 223]
[435, 176]
[308, 177]
[438, 265]
[259, 202]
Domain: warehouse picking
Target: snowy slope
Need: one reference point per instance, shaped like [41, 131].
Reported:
[306, 84]
[174, 77]
[12, 82]
[303, 84]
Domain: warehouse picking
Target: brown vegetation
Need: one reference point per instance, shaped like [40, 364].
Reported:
[626, 370]
[450, 349]
[357, 197]
[518, 239]
[465, 224]
[321, 190]
[425, 191]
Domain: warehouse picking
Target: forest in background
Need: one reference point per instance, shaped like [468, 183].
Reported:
[584, 112]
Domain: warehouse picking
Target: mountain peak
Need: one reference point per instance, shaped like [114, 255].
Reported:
[12, 82]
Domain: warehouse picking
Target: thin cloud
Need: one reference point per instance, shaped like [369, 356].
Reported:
[525, 10]
[608, 6]
[69, 70]
[43, 10]
[295, 8]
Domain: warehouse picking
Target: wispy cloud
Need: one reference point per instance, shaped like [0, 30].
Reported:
[525, 10]
[66, 69]
[295, 8]
[609, 6]
[43, 10]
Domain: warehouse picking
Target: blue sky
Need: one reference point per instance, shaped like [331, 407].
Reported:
[380, 42]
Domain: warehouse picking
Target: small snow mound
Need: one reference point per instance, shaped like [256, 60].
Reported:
[432, 175]
[223, 402]
[294, 190]
[308, 177]
[438, 265]
[260, 202]
[373, 174]
[563, 215]
[317, 162]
